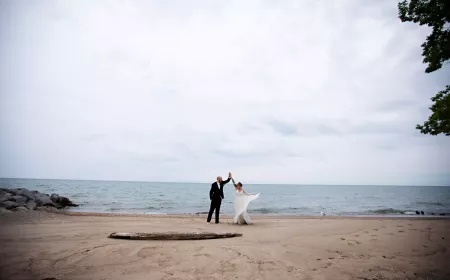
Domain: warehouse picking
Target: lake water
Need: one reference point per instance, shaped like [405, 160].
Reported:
[191, 198]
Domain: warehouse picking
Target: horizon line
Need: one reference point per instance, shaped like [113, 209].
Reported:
[200, 182]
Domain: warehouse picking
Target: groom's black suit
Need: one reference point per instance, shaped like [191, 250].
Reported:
[216, 196]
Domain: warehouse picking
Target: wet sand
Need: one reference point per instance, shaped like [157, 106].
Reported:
[38, 245]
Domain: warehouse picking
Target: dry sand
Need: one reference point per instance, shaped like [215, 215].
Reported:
[39, 245]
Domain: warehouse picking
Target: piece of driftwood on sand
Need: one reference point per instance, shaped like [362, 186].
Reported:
[172, 235]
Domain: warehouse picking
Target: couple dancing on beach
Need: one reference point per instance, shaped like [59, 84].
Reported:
[241, 200]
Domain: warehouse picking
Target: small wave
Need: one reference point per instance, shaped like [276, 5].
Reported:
[133, 209]
[429, 203]
[386, 211]
[268, 210]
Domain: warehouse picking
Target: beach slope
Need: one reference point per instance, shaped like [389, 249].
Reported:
[40, 245]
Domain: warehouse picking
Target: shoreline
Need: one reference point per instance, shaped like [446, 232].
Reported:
[264, 217]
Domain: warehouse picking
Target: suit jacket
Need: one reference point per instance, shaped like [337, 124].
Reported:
[216, 191]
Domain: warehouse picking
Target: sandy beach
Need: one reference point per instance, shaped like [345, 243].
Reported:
[39, 245]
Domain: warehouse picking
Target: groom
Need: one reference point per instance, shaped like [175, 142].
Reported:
[216, 196]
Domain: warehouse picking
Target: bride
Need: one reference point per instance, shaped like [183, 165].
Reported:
[241, 201]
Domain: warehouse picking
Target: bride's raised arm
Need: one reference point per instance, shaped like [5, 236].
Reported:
[234, 183]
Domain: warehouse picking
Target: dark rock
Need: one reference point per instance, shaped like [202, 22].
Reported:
[3, 210]
[12, 198]
[11, 191]
[54, 197]
[21, 209]
[31, 205]
[442, 214]
[20, 199]
[26, 193]
[432, 214]
[61, 201]
[66, 202]
[43, 200]
[9, 204]
[5, 196]
[417, 212]
[421, 212]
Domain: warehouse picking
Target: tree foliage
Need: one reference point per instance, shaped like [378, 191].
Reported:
[439, 121]
[436, 14]
[436, 51]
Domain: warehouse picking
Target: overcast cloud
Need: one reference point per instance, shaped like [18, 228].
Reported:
[323, 92]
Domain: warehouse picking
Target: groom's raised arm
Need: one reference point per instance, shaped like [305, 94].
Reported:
[226, 181]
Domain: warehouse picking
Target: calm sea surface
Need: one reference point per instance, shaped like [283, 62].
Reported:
[191, 198]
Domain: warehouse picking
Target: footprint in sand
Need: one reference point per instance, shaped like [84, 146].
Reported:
[401, 231]
[202, 255]
[228, 267]
[342, 238]
[353, 242]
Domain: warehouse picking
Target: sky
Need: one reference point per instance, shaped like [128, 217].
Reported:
[296, 92]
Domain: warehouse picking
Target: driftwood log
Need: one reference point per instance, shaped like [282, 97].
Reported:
[172, 235]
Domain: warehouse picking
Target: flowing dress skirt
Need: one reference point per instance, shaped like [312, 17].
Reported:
[241, 202]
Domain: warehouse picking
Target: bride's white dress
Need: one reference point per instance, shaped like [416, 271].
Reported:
[241, 201]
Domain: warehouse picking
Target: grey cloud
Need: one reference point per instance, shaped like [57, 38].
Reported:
[303, 128]
[142, 157]
[157, 90]
[283, 128]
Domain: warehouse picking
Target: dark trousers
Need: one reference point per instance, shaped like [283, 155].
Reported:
[215, 205]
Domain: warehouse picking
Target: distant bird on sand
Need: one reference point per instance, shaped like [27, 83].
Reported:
[322, 213]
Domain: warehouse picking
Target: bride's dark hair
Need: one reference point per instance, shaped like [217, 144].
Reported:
[239, 184]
